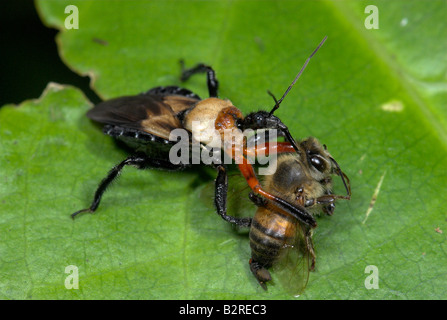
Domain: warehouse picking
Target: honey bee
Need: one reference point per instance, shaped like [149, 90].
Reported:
[304, 179]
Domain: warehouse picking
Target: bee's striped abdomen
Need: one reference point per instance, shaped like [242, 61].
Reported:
[269, 233]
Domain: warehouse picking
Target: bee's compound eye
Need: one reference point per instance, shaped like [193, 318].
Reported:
[318, 163]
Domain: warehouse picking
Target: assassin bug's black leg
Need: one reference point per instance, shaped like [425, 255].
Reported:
[138, 161]
[220, 199]
[212, 82]
[171, 90]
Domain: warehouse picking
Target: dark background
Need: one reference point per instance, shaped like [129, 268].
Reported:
[28, 56]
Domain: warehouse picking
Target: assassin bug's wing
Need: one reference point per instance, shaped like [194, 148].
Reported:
[154, 112]
[294, 262]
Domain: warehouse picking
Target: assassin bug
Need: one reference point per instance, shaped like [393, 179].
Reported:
[144, 122]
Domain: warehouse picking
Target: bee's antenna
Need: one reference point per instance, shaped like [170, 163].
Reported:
[278, 102]
[343, 176]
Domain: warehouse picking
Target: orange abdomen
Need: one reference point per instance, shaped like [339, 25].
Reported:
[270, 231]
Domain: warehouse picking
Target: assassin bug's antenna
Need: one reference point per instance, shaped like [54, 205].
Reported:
[278, 102]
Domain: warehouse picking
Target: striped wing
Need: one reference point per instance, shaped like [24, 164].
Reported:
[154, 112]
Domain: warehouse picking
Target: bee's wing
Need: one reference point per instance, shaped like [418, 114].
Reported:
[294, 262]
[238, 201]
[152, 112]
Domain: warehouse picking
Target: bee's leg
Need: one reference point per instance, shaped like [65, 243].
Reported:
[261, 273]
[310, 248]
[277, 203]
[329, 209]
[212, 82]
[327, 200]
[138, 161]
[220, 199]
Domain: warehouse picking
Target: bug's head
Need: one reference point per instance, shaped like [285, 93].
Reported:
[262, 120]
[321, 161]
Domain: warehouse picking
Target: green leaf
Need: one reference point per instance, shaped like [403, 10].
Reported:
[377, 99]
